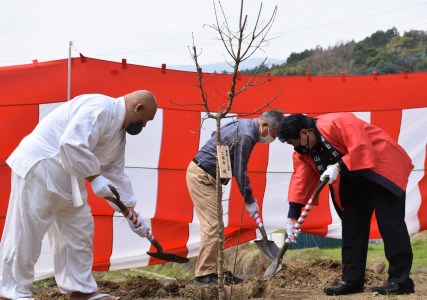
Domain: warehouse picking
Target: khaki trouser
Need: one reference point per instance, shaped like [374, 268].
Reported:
[202, 190]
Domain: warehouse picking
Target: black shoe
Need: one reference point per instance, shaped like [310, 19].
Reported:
[343, 288]
[392, 288]
[207, 279]
[229, 278]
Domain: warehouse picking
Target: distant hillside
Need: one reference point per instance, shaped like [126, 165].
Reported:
[385, 52]
[223, 67]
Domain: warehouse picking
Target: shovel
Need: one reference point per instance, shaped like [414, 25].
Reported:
[276, 264]
[129, 215]
[267, 247]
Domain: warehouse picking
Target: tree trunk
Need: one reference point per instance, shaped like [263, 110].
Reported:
[221, 293]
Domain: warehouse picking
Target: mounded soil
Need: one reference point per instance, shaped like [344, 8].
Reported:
[299, 279]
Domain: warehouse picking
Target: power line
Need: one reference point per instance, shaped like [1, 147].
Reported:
[281, 32]
[352, 19]
[403, 60]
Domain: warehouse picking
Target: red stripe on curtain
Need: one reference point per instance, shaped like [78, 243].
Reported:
[180, 141]
[389, 121]
[321, 94]
[232, 236]
[47, 82]
[257, 167]
[103, 235]
[320, 216]
[171, 235]
[33, 84]
[5, 174]
[16, 122]
[422, 211]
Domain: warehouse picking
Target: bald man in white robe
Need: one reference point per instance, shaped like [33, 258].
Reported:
[83, 139]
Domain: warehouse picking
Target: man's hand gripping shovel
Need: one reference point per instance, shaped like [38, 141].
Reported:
[267, 247]
[276, 264]
[159, 253]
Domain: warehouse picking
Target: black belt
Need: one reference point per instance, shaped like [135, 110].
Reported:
[223, 181]
[200, 165]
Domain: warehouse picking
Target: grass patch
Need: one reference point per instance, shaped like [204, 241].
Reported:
[166, 271]
[375, 252]
[171, 270]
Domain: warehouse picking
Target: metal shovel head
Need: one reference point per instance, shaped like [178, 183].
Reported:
[169, 257]
[276, 264]
[268, 248]
[273, 268]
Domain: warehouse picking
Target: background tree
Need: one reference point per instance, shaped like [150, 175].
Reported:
[387, 52]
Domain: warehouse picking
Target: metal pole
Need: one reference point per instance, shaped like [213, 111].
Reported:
[69, 72]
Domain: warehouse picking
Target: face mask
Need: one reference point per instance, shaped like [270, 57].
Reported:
[134, 127]
[266, 139]
[303, 149]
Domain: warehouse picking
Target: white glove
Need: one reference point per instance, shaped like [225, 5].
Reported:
[138, 225]
[332, 171]
[100, 186]
[292, 234]
[252, 208]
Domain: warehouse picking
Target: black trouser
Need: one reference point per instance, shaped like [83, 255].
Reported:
[359, 197]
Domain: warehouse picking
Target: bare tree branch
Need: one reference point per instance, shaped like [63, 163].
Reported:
[266, 105]
[195, 56]
[240, 46]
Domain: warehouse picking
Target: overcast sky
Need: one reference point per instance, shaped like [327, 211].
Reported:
[159, 31]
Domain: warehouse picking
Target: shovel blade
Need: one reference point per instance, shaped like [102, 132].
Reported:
[169, 257]
[273, 268]
[276, 264]
[268, 248]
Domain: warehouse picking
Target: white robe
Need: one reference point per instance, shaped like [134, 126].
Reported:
[81, 138]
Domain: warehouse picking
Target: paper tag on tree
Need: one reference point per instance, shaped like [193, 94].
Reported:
[224, 162]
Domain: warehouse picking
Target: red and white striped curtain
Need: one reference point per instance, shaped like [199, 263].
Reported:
[157, 159]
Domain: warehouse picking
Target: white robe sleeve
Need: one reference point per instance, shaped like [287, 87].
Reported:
[115, 172]
[90, 145]
[78, 141]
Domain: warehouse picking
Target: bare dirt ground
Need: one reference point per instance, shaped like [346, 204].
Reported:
[300, 279]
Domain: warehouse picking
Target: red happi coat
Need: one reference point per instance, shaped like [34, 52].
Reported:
[363, 146]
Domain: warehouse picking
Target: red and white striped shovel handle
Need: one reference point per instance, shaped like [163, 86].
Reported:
[130, 215]
[307, 207]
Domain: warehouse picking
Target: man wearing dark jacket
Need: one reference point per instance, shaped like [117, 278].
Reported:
[368, 171]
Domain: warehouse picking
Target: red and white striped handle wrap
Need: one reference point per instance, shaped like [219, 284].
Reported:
[304, 214]
[258, 220]
[134, 219]
[301, 219]
[307, 209]
[260, 225]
